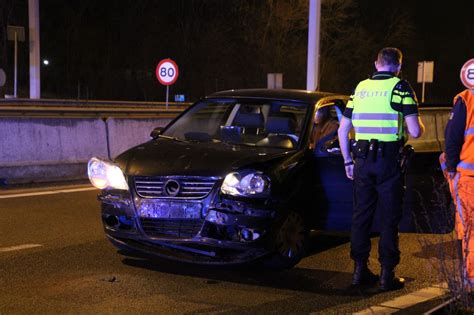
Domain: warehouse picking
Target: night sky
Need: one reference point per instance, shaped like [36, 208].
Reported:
[109, 49]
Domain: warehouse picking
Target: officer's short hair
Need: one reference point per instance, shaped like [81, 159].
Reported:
[390, 56]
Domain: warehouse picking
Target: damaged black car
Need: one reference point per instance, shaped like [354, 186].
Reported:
[238, 177]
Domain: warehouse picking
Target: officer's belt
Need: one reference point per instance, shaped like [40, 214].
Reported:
[364, 148]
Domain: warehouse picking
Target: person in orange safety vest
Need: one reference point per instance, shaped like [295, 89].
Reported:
[458, 167]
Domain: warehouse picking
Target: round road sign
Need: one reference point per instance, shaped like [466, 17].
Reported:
[167, 72]
[467, 74]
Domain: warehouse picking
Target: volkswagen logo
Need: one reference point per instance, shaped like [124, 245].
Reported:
[171, 188]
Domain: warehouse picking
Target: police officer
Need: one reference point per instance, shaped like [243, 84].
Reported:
[377, 110]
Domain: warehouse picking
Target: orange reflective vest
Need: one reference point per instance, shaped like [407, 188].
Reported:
[466, 164]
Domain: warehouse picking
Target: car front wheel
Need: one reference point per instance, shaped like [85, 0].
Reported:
[290, 243]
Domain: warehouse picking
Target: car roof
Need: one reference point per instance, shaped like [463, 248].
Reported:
[277, 94]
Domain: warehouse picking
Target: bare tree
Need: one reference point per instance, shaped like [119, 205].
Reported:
[111, 48]
[350, 40]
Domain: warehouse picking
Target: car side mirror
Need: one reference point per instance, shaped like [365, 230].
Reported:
[156, 132]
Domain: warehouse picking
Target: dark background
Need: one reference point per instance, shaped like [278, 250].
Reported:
[109, 49]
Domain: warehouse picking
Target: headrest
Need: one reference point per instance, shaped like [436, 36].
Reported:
[281, 125]
[249, 120]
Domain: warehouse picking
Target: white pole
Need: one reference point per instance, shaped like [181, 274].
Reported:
[314, 27]
[15, 71]
[167, 94]
[34, 30]
[423, 84]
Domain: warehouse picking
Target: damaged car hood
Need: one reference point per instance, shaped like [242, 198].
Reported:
[167, 156]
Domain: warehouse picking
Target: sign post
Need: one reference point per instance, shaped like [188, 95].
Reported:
[274, 80]
[467, 74]
[16, 34]
[425, 75]
[167, 74]
[3, 77]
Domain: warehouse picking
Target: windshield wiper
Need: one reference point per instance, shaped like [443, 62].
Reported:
[239, 143]
[173, 138]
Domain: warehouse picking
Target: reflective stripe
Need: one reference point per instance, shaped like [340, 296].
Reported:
[402, 93]
[469, 131]
[397, 99]
[466, 166]
[374, 116]
[408, 101]
[458, 200]
[443, 166]
[381, 130]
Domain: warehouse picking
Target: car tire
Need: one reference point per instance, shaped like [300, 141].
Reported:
[290, 243]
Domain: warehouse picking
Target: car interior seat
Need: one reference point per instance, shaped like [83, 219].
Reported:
[280, 132]
[252, 123]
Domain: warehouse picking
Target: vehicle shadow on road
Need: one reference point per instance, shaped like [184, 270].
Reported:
[320, 241]
[298, 278]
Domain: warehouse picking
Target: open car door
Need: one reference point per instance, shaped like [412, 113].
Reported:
[427, 206]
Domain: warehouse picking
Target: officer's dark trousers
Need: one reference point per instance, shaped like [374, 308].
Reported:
[377, 186]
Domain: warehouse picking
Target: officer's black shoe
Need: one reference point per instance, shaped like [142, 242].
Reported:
[388, 281]
[362, 275]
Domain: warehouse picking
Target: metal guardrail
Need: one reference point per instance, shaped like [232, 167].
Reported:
[53, 108]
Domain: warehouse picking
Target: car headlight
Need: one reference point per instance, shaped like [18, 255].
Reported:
[247, 184]
[103, 174]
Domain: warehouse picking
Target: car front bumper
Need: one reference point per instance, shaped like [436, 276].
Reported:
[226, 232]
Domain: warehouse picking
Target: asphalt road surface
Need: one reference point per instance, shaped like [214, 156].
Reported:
[54, 258]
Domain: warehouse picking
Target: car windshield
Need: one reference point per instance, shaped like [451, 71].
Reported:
[243, 121]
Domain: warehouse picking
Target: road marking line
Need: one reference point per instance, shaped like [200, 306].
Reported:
[405, 301]
[19, 247]
[378, 310]
[50, 192]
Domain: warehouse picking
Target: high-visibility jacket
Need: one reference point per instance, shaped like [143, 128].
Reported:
[466, 164]
[373, 116]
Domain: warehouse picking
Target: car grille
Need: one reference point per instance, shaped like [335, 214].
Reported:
[189, 187]
[182, 228]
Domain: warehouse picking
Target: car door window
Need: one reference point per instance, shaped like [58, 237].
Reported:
[324, 134]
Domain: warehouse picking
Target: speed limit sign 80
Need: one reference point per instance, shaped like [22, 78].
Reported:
[467, 74]
[167, 72]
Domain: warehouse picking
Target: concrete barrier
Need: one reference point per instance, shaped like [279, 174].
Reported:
[50, 140]
[435, 120]
[51, 149]
[126, 133]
